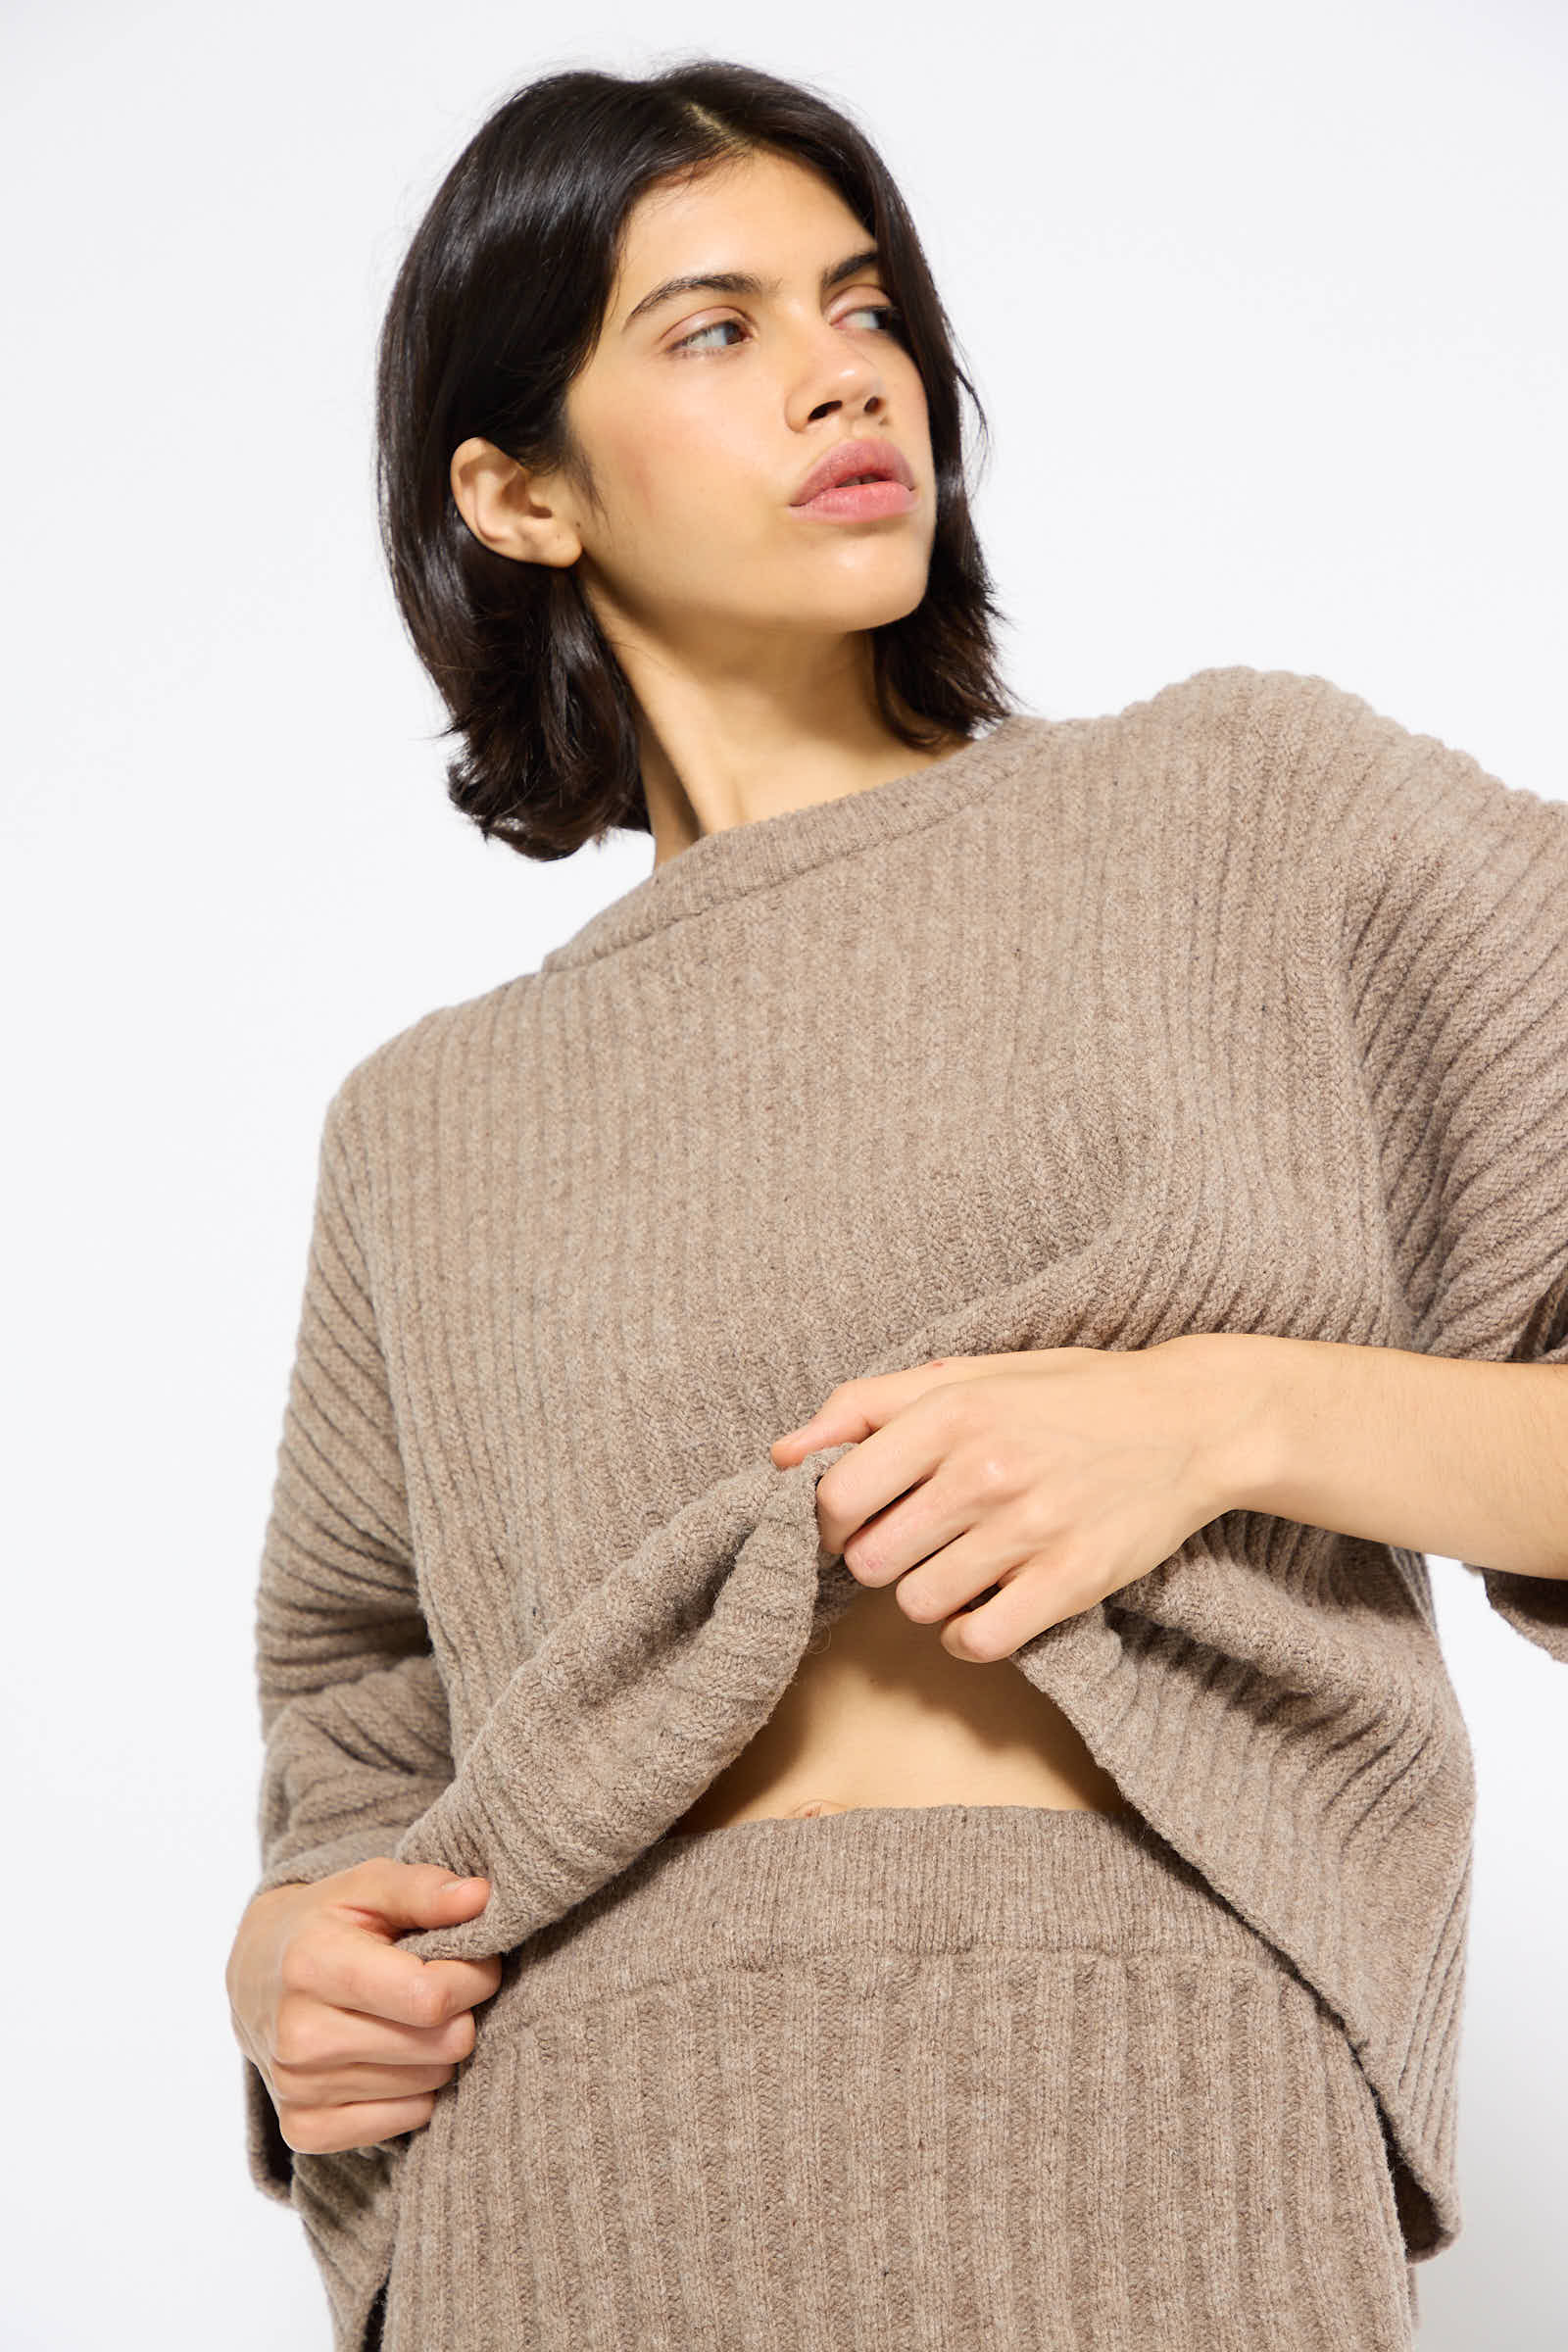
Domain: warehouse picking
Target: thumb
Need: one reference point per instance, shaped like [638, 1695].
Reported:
[414, 1894]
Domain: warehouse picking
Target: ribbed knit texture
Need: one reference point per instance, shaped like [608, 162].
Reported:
[1243, 1008]
[904, 2078]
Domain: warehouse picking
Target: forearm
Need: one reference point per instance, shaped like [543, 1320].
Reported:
[1429, 1454]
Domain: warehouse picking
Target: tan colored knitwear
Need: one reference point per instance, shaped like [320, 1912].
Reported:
[1243, 1008]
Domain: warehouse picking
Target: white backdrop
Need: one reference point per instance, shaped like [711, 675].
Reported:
[1266, 307]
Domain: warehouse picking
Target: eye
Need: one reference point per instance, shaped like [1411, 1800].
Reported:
[697, 340]
[694, 341]
[873, 309]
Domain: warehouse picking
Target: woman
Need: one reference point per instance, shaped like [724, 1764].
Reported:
[989, 1863]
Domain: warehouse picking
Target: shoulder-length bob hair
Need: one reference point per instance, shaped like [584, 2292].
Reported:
[497, 305]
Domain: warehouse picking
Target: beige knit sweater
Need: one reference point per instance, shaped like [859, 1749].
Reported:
[1243, 1008]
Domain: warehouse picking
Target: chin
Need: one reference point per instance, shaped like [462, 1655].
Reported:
[868, 604]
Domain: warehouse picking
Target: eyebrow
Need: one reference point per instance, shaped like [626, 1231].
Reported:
[741, 281]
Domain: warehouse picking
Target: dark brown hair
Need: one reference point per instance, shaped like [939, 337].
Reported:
[497, 305]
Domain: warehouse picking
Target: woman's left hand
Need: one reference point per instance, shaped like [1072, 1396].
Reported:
[1057, 1473]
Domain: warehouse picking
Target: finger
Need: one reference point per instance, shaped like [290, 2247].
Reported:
[927, 1543]
[844, 1416]
[310, 2034]
[952, 1577]
[319, 2130]
[884, 1466]
[851, 1410]
[406, 1894]
[344, 2085]
[1028, 1599]
[350, 1967]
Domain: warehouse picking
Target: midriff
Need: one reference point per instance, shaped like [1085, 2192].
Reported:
[878, 1713]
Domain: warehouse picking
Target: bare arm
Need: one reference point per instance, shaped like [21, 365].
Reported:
[1429, 1454]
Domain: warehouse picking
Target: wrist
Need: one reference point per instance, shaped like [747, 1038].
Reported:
[1239, 1381]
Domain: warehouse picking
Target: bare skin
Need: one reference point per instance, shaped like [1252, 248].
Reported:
[881, 1714]
[742, 631]
[351, 2035]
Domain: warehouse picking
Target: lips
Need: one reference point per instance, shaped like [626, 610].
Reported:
[857, 457]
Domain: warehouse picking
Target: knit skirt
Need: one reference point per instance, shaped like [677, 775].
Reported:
[902, 2077]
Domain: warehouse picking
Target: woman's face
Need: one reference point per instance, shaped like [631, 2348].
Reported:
[703, 411]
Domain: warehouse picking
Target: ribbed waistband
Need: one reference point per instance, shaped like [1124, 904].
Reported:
[918, 2076]
[918, 1879]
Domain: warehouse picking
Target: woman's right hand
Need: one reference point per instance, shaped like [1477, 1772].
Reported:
[351, 2034]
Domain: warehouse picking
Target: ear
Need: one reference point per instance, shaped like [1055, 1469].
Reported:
[505, 509]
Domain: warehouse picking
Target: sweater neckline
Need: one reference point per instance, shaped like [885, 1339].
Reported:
[737, 859]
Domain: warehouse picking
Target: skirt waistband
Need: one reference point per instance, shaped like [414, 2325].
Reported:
[918, 1879]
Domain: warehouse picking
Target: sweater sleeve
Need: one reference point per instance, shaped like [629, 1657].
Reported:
[1456, 945]
[354, 1719]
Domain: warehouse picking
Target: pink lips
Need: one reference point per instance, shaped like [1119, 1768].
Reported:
[830, 490]
[858, 502]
